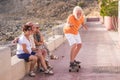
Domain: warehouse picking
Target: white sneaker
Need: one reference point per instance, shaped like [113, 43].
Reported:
[32, 74]
[49, 72]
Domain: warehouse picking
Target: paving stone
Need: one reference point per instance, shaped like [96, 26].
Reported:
[99, 56]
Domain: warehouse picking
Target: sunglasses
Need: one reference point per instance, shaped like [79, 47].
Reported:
[29, 29]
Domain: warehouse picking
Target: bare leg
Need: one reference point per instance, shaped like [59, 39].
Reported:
[72, 52]
[44, 52]
[75, 48]
[42, 59]
[33, 60]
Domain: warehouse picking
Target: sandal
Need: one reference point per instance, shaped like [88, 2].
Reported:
[32, 74]
[54, 57]
[50, 72]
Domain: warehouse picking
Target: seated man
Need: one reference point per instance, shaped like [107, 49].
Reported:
[39, 41]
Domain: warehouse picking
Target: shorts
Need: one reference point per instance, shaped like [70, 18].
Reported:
[72, 39]
[25, 56]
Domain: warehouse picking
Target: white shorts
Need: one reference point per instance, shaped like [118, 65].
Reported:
[72, 39]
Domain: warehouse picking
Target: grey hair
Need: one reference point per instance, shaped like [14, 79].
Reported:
[77, 8]
[36, 24]
[29, 23]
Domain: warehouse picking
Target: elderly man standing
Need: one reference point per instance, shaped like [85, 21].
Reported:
[74, 22]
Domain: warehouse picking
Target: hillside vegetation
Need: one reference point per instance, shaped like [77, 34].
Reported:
[14, 13]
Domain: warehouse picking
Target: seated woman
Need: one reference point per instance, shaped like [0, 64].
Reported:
[24, 50]
[36, 50]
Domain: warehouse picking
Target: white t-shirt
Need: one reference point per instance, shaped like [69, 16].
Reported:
[23, 40]
[31, 40]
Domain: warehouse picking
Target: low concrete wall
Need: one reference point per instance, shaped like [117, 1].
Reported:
[5, 63]
[18, 69]
[14, 68]
[55, 42]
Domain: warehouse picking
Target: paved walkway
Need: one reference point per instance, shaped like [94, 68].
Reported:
[100, 57]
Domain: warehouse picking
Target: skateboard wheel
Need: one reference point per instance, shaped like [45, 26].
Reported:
[69, 70]
[77, 70]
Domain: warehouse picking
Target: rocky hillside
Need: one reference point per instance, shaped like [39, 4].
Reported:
[14, 13]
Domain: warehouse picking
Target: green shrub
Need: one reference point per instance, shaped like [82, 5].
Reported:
[109, 8]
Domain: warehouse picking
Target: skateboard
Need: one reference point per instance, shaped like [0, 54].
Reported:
[75, 68]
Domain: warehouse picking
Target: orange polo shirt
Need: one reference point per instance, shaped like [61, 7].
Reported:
[76, 25]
